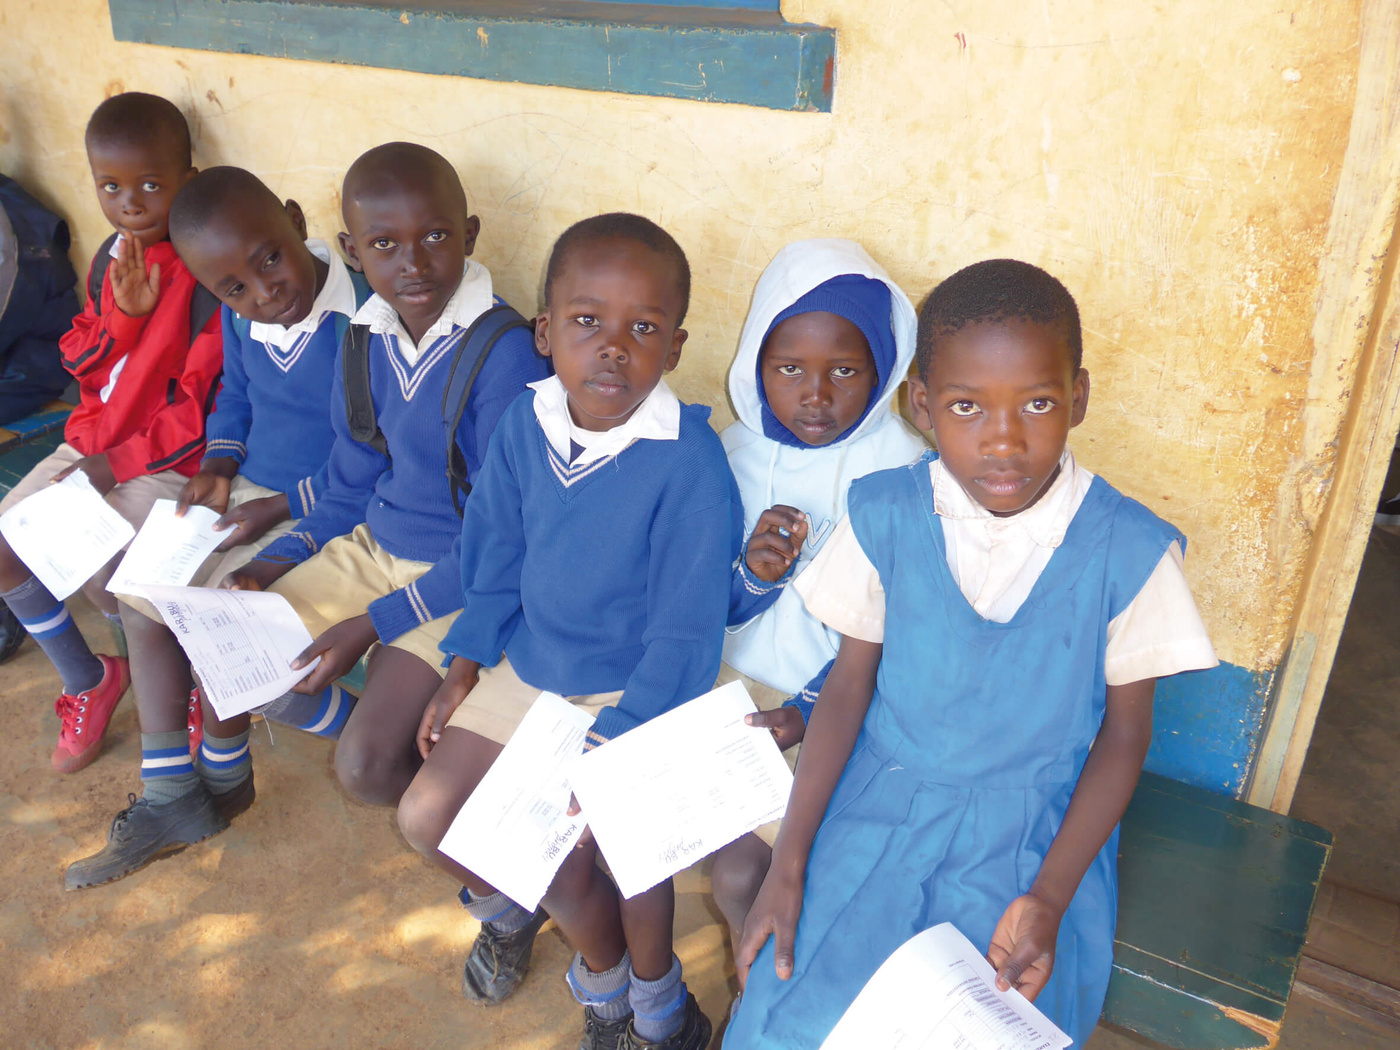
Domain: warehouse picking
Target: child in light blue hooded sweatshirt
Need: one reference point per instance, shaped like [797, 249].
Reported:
[827, 343]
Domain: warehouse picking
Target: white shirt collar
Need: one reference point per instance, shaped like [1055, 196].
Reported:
[472, 298]
[337, 295]
[1044, 522]
[657, 418]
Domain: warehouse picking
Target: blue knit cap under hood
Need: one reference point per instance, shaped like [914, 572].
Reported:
[863, 301]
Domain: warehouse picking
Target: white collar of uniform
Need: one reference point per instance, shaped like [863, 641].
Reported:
[337, 295]
[472, 298]
[1045, 522]
[657, 418]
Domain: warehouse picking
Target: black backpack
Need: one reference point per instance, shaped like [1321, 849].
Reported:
[204, 304]
[473, 347]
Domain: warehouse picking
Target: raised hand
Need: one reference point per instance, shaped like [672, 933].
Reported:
[1023, 945]
[776, 542]
[134, 288]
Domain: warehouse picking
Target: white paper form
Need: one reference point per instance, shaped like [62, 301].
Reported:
[937, 992]
[168, 551]
[64, 533]
[241, 643]
[676, 789]
[514, 831]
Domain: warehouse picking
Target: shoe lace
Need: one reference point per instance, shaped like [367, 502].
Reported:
[120, 820]
[70, 709]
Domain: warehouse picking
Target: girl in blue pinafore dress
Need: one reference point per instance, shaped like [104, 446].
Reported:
[975, 736]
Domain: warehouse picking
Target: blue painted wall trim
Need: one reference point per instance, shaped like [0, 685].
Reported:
[1207, 726]
[742, 57]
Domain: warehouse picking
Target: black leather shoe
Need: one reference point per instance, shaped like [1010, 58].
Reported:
[602, 1035]
[693, 1034]
[236, 799]
[12, 633]
[142, 832]
[498, 962]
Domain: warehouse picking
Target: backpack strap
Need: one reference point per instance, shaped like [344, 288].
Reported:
[204, 304]
[97, 274]
[359, 400]
[485, 332]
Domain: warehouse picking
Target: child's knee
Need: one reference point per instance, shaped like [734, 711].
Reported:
[737, 874]
[422, 820]
[10, 567]
[369, 771]
[573, 879]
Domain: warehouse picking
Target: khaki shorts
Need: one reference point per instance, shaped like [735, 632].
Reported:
[131, 499]
[343, 577]
[217, 566]
[498, 702]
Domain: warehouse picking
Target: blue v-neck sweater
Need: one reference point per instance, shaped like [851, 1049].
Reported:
[610, 575]
[273, 413]
[405, 498]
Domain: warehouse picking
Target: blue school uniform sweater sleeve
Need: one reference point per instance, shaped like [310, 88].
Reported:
[492, 550]
[687, 595]
[301, 501]
[748, 595]
[351, 473]
[438, 592]
[226, 431]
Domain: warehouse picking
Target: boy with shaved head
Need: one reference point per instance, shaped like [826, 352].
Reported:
[146, 352]
[375, 565]
[287, 302]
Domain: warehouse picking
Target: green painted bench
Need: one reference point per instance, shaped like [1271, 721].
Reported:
[1214, 901]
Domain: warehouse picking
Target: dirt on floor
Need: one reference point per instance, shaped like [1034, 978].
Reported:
[309, 923]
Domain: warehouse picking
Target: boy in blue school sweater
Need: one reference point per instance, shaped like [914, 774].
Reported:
[375, 562]
[596, 554]
[287, 302]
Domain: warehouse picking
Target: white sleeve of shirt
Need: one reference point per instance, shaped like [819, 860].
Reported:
[1160, 633]
[842, 589]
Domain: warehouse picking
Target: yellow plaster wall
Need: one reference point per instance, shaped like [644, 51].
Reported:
[1175, 165]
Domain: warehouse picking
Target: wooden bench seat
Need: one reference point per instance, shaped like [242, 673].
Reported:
[1214, 901]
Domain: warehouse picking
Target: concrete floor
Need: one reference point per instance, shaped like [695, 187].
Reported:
[308, 924]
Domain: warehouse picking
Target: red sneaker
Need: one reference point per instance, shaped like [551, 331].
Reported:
[84, 717]
[196, 721]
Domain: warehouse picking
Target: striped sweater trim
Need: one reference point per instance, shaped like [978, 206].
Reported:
[415, 601]
[569, 475]
[307, 494]
[214, 445]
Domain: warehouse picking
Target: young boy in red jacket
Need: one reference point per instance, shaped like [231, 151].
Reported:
[147, 355]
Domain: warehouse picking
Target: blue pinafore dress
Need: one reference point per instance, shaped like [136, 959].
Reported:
[965, 765]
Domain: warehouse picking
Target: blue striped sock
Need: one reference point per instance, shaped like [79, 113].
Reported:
[48, 622]
[606, 992]
[224, 762]
[167, 767]
[658, 1007]
[322, 715]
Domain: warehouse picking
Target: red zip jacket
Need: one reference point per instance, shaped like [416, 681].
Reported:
[152, 418]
